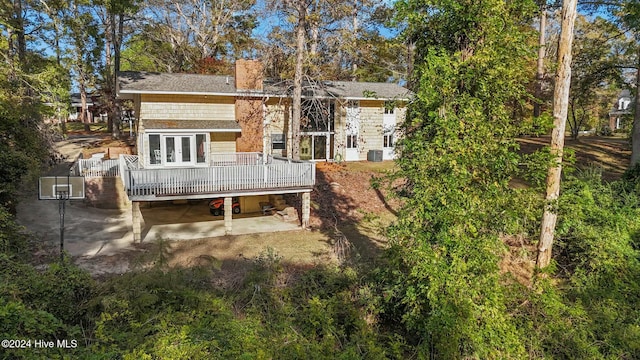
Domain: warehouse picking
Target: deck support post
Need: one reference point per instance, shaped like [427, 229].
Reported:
[306, 209]
[228, 215]
[136, 216]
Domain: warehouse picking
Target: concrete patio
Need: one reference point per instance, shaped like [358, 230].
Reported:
[101, 232]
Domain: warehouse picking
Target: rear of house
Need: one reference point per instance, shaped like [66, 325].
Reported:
[206, 136]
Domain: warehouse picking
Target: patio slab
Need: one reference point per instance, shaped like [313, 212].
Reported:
[101, 232]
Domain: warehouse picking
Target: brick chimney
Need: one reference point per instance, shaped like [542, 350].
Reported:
[249, 107]
[248, 74]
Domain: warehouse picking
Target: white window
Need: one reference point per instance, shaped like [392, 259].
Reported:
[352, 141]
[388, 140]
[178, 149]
[278, 142]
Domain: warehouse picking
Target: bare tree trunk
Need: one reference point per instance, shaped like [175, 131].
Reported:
[109, 34]
[117, 47]
[83, 104]
[297, 81]
[635, 132]
[19, 27]
[356, 28]
[537, 106]
[560, 109]
[574, 124]
[314, 31]
[410, 54]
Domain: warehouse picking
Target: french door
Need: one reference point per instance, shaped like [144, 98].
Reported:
[178, 150]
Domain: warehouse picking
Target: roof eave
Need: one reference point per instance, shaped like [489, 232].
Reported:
[180, 93]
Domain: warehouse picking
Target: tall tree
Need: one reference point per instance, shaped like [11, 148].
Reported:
[627, 12]
[594, 70]
[181, 34]
[298, 13]
[540, 71]
[84, 43]
[456, 159]
[113, 16]
[631, 20]
[328, 40]
[560, 109]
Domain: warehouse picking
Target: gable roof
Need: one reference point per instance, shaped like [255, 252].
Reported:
[624, 96]
[132, 82]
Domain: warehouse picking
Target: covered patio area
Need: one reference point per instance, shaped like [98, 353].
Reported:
[194, 221]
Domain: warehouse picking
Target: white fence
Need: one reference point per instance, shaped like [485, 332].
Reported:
[96, 167]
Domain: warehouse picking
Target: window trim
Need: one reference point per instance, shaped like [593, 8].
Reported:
[193, 149]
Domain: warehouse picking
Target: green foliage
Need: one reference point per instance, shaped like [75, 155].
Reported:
[592, 310]
[173, 314]
[458, 156]
[62, 290]
[14, 242]
[23, 149]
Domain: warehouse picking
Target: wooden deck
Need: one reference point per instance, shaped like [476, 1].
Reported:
[227, 175]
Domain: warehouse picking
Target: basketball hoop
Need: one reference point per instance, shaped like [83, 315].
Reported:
[61, 188]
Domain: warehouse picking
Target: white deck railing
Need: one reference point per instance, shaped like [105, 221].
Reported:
[226, 159]
[95, 167]
[240, 172]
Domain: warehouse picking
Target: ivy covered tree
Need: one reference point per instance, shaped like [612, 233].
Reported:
[457, 157]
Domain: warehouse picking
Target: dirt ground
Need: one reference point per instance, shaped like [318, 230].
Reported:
[348, 217]
[611, 154]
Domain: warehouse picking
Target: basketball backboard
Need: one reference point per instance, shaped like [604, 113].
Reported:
[61, 188]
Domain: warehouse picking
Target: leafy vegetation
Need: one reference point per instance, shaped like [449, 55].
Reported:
[439, 291]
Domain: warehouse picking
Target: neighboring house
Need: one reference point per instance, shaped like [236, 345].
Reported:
[621, 110]
[91, 108]
[206, 136]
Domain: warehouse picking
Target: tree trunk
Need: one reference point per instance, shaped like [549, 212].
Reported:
[117, 47]
[297, 82]
[109, 34]
[83, 104]
[356, 28]
[635, 132]
[537, 106]
[560, 109]
[19, 28]
[573, 121]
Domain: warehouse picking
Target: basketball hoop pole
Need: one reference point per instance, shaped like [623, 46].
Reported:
[61, 188]
[62, 199]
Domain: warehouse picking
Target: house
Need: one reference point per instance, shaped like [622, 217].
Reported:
[90, 109]
[205, 136]
[340, 120]
[621, 109]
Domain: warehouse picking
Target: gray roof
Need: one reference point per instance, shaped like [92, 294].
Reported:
[346, 90]
[76, 99]
[623, 94]
[363, 90]
[228, 125]
[165, 83]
